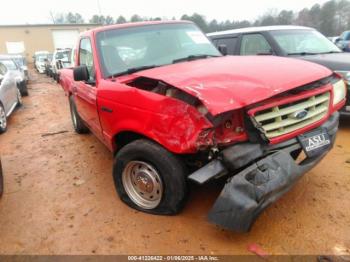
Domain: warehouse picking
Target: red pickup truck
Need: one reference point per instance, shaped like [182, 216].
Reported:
[172, 109]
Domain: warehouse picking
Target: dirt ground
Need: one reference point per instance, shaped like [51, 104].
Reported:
[60, 199]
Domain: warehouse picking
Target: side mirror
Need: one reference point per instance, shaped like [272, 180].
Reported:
[222, 49]
[81, 73]
[1, 78]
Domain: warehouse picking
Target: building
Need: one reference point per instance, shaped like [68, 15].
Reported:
[27, 39]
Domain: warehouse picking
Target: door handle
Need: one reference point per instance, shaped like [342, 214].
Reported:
[106, 109]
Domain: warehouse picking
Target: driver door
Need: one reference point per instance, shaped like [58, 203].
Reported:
[85, 92]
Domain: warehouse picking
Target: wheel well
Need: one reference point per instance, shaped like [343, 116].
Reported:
[124, 138]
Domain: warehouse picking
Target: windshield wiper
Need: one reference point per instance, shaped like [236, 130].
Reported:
[331, 52]
[192, 57]
[302, 53]
[132, 70]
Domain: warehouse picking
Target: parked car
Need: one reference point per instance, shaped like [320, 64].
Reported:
[60, 60]
[288, 41]
[22, 64]
[40, 63]
[40, 53]
[17, 72]
[10, 96]
[333, 39]
[182, 112]
[48, 65]
[69, 64]
[343, 42]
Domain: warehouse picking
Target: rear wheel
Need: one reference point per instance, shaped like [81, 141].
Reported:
[78, 124]
[3, 119]
[149, 178]
[22, 86]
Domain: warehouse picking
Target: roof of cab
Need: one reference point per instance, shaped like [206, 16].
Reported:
[135, 24]
[259, 29]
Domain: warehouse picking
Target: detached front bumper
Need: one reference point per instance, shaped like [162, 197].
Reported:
[261, 182]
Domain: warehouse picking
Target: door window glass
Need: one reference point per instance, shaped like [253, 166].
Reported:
[254, 44]
[230, 43]
[86, 57]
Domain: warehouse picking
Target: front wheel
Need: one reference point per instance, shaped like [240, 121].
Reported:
[23, 88]
[19, 98]
[149, 178]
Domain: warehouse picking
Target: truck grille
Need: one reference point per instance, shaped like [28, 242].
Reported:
[283, 119]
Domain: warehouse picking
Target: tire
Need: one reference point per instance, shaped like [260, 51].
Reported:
[19, 98]
[3, 120]
[145, 157]
[78, 124]
[23, 88]
[1, 181]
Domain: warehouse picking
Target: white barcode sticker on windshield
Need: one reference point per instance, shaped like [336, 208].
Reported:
[197, 37]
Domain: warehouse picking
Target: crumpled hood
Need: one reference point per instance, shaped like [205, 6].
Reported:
[231, 82]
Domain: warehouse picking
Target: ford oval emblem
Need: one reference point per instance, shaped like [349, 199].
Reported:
[300, 114]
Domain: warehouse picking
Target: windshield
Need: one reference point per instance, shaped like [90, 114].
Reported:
[123, 49]
[303, 41]
[41, 58]
[10, 65]
[20, 61]
[63, 55]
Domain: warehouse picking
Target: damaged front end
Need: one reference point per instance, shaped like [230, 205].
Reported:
[267, 172]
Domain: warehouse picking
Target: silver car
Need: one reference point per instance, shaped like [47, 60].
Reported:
[10, 96]
[19, 74]
[22, 64]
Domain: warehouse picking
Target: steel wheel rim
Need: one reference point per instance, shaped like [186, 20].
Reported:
[3, 120]
[142, 184]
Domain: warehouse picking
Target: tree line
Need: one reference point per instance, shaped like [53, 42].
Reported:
[331, 18]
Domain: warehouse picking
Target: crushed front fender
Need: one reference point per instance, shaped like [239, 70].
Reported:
[249, 192]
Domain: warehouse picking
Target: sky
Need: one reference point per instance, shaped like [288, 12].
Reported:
[38, 11]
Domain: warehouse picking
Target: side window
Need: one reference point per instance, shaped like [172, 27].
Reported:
[86, 57]
[344, 35]
[254, 44]
[347, 36]
[3, 69]
[230, 44]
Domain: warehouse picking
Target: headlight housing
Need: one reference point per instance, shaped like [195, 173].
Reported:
[345, 75]
[339, 92]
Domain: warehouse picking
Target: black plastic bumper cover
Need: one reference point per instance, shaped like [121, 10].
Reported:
[248, 193]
